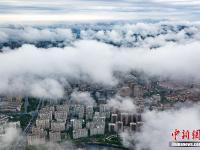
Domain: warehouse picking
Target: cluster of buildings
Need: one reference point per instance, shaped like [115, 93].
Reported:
[80, 121]
[125, 121]
[55, 121]
[10, 104]
[184, 95]
[69, 118]
[180, 92]
[131, 90]
[51, 121]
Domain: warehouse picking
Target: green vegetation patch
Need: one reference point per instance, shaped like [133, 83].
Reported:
[23, 118]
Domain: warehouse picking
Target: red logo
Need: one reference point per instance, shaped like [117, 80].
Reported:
[186, 134]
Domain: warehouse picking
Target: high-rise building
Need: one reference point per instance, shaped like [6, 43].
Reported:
[111, 127]
[76, 123]
[33, 139]
[114, 118]
[47, 109]
[104, 110]
[89, 112]
[137, 91]
[63, 107]
[124, 118]
[97, 130]
[54, 136]
[45, 115]
[133, 126]
[80, 133]
[61, 116]
[38, 131]
[139, 118]
[43, 123]
[10, 104]
[119, 126]
[57, 126]
[139, 125]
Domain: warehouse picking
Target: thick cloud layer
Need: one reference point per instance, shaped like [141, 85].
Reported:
[122, 104]
[158, 127]
[147, 35]
[44, 72]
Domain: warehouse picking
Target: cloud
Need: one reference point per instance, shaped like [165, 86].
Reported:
[147, 35]
[158, 127]
[122, 104]
[44, 72]
[83, 98]
[94, 57]
[47, 88]
[33, 35]
[27, 69]
[10, 137]
[13, 135]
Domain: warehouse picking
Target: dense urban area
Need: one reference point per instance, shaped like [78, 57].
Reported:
[68, 119]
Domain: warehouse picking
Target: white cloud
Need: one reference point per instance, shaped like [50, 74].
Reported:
[10, 137]
[83, 98]
[122, 34]
[122, 104]
[158, 127]
[28, 69]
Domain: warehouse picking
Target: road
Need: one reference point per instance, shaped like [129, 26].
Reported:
[26, 104]
[21, 141]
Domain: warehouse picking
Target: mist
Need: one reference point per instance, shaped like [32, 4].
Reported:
[44, 72]
[159, 125]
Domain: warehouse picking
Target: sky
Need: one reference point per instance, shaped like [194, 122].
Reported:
[89, 10]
